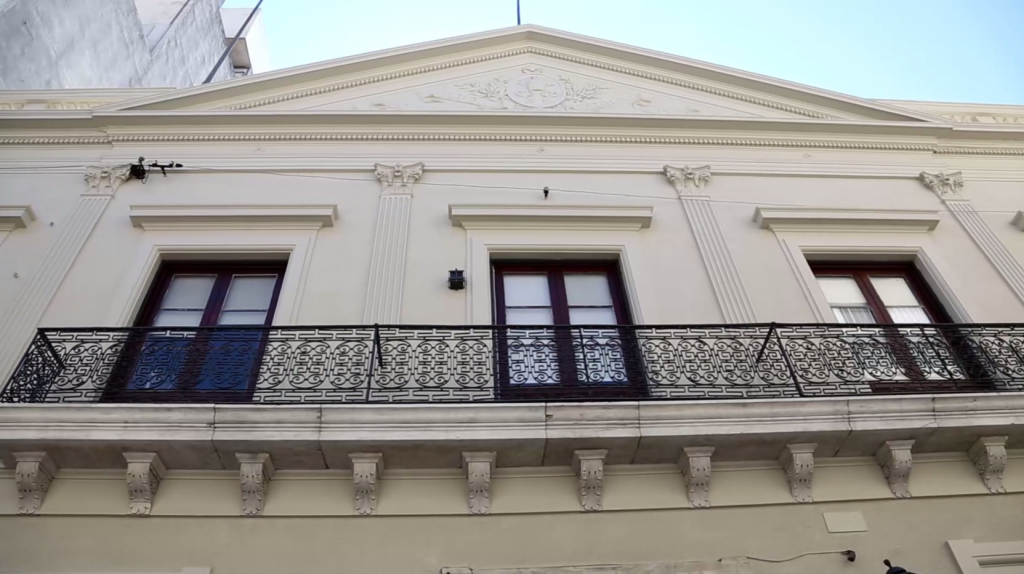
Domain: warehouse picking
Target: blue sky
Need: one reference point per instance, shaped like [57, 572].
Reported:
[941, 50]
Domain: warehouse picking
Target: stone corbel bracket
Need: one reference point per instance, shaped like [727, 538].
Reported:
[478, 467]
[589, 467]
[989, 456]
[896, 461]
[944, 185]
[33, 473]
[145, 471]
[397, 178]
[105, 179]
[798, 462]
[255, 470]
[682, 177]
[695, 463]
[367, 470]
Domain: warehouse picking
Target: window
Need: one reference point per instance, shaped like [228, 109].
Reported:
[175, 355]
[567, 330]
[878, 293]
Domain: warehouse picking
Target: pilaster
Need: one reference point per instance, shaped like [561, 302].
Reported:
[478, 467]
[255, 470]
[798, 462]
[949, 188]
[145, 471]
[589, 467]
[695, 463]
[33, 473]
[18, 325]
[896, 461]
[725, 278]
[390, 242]
[989, 456]
[367, 469]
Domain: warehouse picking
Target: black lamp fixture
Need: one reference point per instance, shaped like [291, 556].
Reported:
[894, 569]
[456, 280]
[141, 171]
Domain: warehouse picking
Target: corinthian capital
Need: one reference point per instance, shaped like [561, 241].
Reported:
[944, 185]
[105, 179]
[397, 178]
[682, 177]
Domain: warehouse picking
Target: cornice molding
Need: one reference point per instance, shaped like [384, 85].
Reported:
[145, 471]
[532, 50]
[554, 216]
[589, 468]
[178, 217]
[15, 217]
[836, 219]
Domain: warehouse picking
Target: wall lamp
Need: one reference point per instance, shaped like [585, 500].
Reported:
[456, 280]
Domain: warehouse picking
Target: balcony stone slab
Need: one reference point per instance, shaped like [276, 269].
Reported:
[290, 436]
[614, 427]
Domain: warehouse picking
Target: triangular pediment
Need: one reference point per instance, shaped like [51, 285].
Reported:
[527, 69]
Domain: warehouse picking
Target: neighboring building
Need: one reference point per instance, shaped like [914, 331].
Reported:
[60, 44]
[326, 343]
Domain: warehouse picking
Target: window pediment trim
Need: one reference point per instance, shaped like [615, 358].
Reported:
[832, 219]
[175, 217]
[588, 217]
[15, 217]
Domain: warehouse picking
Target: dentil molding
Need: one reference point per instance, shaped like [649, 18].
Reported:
[945, 185]
[478, 467]
[145, 471]
[33, 474]
[682, 177]
[798, 462]
[896, 461]
[695, 463]
[589, 467]
[105, 179]
[989, 456]
[397, 178]
[367, 469]
[255, 470]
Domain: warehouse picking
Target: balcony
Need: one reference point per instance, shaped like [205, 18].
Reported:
[446, 364]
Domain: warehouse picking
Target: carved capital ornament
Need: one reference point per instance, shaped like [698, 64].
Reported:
[945, 185]
[589, 467]
[145, 471]
[682, 177]
[105, 179]
[397, 178]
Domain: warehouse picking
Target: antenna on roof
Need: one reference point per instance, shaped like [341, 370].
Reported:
[519, 21]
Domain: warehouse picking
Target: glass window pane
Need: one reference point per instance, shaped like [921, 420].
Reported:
[528, 317]
[250, 292]
[592, 316]
[188, 292]
[908, 315]
[527, 290]
[242, 318]
[165, 318]
[841, 290]
[587, 289]
[894, 291]
[854, 315]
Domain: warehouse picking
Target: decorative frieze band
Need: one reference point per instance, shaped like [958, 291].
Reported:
[478, 467]
[989, 456]
[255, 470]
[589, 467]
[367, 469]
[949, 187]
[33, 474]
[896, 461]
[695, 463]
[19, 323]
[725, 277]
[798, 462]
[390, 242]
[145, 471]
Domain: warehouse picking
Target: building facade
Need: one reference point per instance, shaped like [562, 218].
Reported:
[517, 302]
[88, 44]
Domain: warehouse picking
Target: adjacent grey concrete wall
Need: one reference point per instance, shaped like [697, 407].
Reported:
[54, 44]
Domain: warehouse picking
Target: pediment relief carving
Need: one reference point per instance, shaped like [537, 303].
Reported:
[536, 88]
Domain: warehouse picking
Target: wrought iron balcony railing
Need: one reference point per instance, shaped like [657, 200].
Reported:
[383, 364]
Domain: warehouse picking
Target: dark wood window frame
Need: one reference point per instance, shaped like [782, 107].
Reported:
[862, 272]
[224, 271]
[569, 387]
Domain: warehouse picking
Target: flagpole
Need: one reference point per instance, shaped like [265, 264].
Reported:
[519, 20]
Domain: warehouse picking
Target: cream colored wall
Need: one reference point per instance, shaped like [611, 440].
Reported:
[671, 282]
[912, 533]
